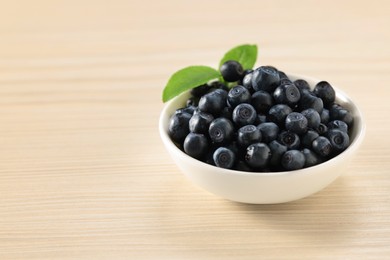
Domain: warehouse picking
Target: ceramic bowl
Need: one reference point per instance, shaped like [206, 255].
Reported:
[264, 187]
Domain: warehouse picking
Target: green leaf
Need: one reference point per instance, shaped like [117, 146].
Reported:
[245, 54]
[188, 78]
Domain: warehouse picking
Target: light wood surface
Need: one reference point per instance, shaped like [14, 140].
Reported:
[84, 175]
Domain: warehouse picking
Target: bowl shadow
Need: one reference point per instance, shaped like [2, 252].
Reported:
[322, 216]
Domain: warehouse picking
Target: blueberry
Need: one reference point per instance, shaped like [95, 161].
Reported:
[247, 81]
[189, 109]
[195, 145]
[325, 91]
[269, 131]
[238, 95]
[277, 150]
[278, 113]
[285, 81]
[289, 139]
[282, 75]
[247, 135]
[262, 101]
[338, 124]
[224, 158]
[213, 102]
[199, 122]
[309, 100]
[200, 90]
[231, 71]
[342, 114]
[313, 118]
[322, 146]
[227, 112]
[302, 85]
[287, 94]
[221, 130]
[242, 166]
[338, 139]
[260, 118]
[333, 107]
[208, 158]
[192, 101]
[235, 148]
[293, 160]
[265, 78]
[258, 155]
[325, 116]
[296, 123]
[308, 138]
[244, 114]
[322, 129]
[178, 127]
[311, 158]
[216, 84]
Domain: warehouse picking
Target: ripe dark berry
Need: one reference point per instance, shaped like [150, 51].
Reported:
[265, 122]
[200, 91]
[200, 122]
[221, 130]
[289, 139]
[242, 166]
[217, 85]
[325, 91]
[265, 78]
[269, 131]
[258, 155]
[195, 145]
[322, 146]
[224, 158]
[339, 139]
[322, 129]
[287, 94]
[338, 124]
[282, 75]
[302, 85]
[341, 114]
[213, 102]
[189, 109]
[227, 113]
[231, 71]
[277, 150]
[262, 101]
[325, 116]
[293, 160]
[178, 127]
[260, 118]
[247, 81]
[247, 135]
[308, 138]
[238, 95]
[296, 123]
[285, 81]
[313, 118]
[278, 113]
[244, 114]
[192, 102]
[235, 148]
[311, 158]
[309, 100]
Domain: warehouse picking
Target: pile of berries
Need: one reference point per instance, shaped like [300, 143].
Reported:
[264, 122]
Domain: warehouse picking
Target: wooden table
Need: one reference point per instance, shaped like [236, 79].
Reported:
[84, 175]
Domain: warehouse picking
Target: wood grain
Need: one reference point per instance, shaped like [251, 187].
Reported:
[84, 175]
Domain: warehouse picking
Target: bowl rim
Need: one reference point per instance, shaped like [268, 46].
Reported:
[340, 96]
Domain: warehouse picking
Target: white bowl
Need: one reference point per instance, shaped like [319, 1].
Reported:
[263, 187]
